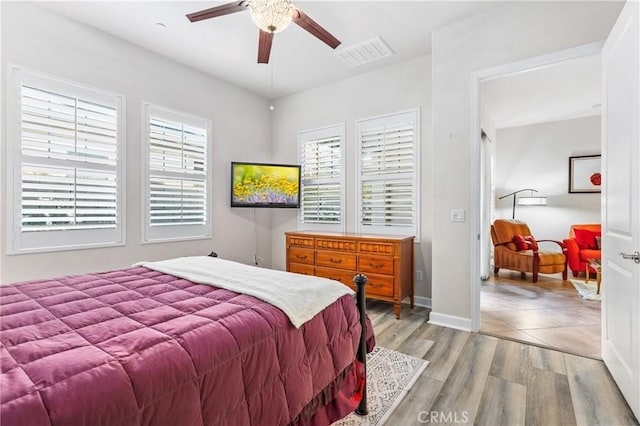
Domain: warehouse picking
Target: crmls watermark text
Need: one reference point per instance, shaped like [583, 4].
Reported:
[448, 417]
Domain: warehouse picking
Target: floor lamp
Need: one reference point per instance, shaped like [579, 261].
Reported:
[525, 201]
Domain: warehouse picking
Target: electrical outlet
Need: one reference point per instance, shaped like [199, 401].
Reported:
[418, 275]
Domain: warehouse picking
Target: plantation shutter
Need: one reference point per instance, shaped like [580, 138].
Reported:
[388, 173]
[321, 174]
[69, 154]
[177, 173]
[322, 177]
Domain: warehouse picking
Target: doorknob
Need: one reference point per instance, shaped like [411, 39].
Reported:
[635, 256]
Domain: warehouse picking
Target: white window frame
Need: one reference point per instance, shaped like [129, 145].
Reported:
[178, 232]
[402, 117]
[319, 133]
[19, 242]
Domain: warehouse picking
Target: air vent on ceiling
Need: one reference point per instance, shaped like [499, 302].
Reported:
[365, 52]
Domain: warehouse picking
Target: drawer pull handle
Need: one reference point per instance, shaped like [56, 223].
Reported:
[301, 257]
[375, 285]
[332, 260]
[376, 265]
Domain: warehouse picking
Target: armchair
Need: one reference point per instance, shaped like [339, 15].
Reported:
[517, 250]
[582, 246]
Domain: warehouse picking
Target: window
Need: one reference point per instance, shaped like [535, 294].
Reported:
[388, 178]
[322, 181]
[177, 181]
[65, 167]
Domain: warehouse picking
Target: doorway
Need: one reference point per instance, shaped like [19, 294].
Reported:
[534, 115]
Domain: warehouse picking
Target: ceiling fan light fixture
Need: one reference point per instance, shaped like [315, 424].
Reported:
[271, 16]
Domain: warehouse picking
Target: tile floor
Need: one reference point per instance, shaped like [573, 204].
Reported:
[549, 313]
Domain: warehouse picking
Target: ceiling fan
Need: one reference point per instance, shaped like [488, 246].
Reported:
[271, 16]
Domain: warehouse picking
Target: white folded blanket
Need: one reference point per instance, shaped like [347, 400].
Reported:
[300, 297]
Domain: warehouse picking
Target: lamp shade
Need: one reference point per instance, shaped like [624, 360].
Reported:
[532, 201]
[271, 16]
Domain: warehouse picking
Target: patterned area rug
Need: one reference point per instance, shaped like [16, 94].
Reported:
[390, 375]
[587, 290]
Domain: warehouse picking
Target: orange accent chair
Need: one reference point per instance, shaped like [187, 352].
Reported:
[517, 250]
[582, 246]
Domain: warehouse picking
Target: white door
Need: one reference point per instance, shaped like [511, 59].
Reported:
[621, 209]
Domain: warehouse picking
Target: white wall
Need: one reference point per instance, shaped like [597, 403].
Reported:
[537, 156]
[2, 152]
[38, 39]
[504, 35]
[395, 88]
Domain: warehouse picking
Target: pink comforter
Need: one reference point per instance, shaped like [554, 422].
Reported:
[136, 346]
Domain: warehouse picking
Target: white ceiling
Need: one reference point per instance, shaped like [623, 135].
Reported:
[226, 47]
[561, 91]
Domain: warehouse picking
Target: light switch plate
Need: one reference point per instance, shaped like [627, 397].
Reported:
[457, 215]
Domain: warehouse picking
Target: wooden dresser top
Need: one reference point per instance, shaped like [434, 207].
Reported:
[353, 235]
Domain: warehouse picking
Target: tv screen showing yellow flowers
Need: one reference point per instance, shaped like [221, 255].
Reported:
[265, 185]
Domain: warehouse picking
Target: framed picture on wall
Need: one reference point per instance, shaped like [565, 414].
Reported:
[584, 174]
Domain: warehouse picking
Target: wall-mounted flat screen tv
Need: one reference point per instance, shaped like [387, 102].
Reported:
[265, 185]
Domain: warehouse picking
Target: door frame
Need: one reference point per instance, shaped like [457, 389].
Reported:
[476, 78]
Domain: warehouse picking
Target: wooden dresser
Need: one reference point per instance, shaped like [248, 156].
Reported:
[386, 261]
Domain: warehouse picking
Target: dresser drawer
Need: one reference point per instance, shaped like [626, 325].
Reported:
[295, 241]
[375, 264]
[301, 268]
[375, 247]
[300, 255]
[345, 277]
[379, 285]
[336, 260]
[336, 245]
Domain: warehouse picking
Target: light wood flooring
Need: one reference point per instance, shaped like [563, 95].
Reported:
[478, 379]
[549, 313]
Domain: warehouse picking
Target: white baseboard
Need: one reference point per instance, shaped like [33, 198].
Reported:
[450, 321]
[424, 302]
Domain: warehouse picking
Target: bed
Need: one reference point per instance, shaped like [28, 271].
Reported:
[141, 346]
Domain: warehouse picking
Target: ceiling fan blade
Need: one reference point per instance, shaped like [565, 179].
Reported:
[264, 47]
[303, 20]
[225, 9]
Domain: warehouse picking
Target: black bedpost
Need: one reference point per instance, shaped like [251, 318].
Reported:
[360, 282]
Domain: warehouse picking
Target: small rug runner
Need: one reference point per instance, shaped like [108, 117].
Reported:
[587, 290]
[390, 375]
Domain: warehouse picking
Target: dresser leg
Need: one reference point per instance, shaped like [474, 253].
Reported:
[412, 304]
[396, 308]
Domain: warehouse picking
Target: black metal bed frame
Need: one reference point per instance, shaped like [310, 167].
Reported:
[361, 281]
